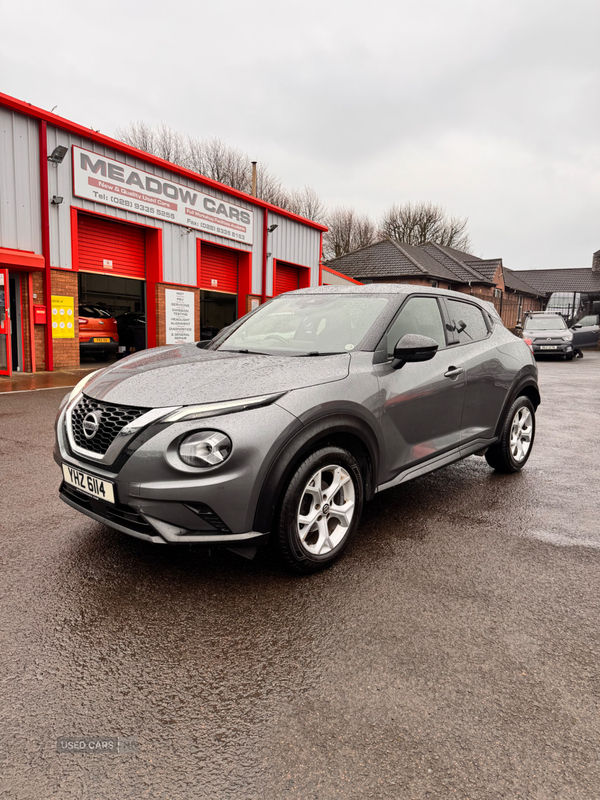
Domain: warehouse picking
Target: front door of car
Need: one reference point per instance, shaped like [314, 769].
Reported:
[422, 402]
[488, 377]
[585, 335]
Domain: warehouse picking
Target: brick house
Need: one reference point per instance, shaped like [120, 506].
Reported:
[431, 264]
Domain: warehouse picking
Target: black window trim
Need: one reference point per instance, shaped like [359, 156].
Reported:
[381, 349]
[450, 326]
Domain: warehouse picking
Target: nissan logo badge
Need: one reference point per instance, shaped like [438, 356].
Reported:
[90, 424]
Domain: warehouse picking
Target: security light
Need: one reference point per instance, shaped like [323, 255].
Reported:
[271, 228]
[56, 200]
[57, 155]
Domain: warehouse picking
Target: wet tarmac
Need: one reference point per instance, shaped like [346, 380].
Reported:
[453, 652]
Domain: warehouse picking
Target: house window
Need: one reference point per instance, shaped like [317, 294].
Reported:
[435, 284]
[497, 292]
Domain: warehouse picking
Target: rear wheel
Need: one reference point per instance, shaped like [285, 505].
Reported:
[510, 454]
[320, 510]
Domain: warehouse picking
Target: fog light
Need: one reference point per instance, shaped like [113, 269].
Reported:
[205, 449]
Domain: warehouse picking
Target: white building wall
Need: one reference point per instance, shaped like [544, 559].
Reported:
[295, 243]
[20, 205]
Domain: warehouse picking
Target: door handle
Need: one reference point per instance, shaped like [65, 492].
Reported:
[453, 372]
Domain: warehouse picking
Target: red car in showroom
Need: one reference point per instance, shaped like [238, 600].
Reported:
[97, 332]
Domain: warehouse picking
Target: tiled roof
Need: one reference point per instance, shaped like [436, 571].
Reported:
[513, 280]
[561, 280]
[390, 259]
[486, 267]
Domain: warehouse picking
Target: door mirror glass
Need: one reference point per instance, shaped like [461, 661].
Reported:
[413, 347]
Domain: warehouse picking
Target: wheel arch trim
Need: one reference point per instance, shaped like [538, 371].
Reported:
[302, 442]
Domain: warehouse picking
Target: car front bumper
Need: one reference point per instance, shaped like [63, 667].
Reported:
[562, 349]
[165, 503]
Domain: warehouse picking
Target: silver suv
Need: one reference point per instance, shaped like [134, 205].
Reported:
[294, 416]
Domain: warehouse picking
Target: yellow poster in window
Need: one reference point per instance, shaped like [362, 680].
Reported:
[62, 317]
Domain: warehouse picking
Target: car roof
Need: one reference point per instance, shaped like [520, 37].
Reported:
[393, 289]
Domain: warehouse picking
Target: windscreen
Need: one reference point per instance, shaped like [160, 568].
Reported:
[93, 312]
[299, 325]
[544, 324]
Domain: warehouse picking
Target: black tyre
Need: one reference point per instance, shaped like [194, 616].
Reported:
[511, 452]
[320, 510]
[569, 356]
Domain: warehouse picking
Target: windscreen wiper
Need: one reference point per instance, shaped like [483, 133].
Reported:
[316, 353]
[250, 352]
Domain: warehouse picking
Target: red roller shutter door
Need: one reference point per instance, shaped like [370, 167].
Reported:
[218, 269]
[101, 240]
[286, 278]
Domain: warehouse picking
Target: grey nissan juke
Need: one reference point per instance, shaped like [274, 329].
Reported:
[286, 422]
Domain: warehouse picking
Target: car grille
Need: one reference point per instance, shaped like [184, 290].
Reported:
[112, 420]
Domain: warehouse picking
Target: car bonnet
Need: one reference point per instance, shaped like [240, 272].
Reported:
[185, 375]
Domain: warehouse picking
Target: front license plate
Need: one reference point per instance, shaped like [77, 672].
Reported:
[102, 340]
[89, 484]
[548, 347]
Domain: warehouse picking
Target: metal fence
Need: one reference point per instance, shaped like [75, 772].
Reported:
[511, 311]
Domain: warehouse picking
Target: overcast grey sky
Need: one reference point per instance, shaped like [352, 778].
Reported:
[489, 107]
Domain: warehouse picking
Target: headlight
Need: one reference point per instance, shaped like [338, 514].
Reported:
[82, 383]
[567, 337]
[215, 409]
[205, 449]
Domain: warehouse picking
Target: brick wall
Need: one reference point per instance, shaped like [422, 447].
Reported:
[161, 337]
[66, 351]
[39, 331]
[249, 299]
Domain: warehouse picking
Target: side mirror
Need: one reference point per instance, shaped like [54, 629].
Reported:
[203, 343]
[576, 327]
[413, 347]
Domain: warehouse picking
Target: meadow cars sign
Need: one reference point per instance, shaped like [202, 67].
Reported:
[113, 183]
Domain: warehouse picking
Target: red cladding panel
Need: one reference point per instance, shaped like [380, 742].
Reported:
[101, 240]
[218, 269]
[287, 279]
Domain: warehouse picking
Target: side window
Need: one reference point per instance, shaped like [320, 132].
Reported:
[418, 315]
[467, 320]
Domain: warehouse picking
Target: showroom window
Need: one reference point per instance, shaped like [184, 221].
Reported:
[467, 321]
[418, 315]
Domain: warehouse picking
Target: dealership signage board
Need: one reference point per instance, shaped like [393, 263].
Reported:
[179, 308]
[116, 184]
[63, 317]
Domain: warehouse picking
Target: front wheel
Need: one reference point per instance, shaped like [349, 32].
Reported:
[510, 454]
[320, 510]
[569, 357]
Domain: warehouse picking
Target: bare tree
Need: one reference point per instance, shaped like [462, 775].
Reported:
[419, 223]
[306, 203]
[138, 134]
[348, 231]
[219, 161]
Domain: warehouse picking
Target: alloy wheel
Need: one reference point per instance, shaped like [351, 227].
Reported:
[326, 509]
[521, 432]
